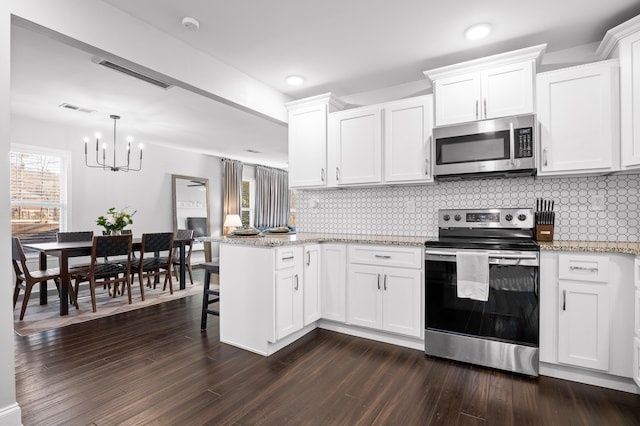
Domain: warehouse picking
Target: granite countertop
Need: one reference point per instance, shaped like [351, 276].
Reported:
[274, 240]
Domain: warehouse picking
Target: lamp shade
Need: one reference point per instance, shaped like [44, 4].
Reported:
[233, 220]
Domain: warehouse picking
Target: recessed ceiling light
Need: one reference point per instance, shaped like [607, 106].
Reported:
[477, 31]
[295, 80]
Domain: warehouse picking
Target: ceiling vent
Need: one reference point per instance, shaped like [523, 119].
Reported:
[132, 73]
[77, 108]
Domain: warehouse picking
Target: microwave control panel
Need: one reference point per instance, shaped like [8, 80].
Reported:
[523, 142]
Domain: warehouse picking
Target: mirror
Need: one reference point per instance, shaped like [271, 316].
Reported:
[191, 210]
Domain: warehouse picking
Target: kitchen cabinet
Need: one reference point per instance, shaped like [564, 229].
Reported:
[408, 140]
[586, 311]
[623, 43]
[496, 92]
[289, 299]
[496, 86]
[308, 140]
[382, 143]
[578, 119]
[334, 282]
[357, 138]
[312, 283]
[381, 293]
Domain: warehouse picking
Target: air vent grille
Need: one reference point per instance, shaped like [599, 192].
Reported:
[76, 108]
[132, 73]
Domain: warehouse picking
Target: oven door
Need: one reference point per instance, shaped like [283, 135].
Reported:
[499, 333]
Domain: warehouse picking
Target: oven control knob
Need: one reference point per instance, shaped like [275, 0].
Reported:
[522, 217]
[446, 217]
[457, 217]
[509, 217]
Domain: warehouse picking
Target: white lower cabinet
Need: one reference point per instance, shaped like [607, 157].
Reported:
[586, 311]
[312, 283]
[333, 294]
[583, 324]
[289, 300]
[636, 328]
[384, 297]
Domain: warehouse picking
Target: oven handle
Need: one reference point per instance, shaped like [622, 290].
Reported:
[494, 258]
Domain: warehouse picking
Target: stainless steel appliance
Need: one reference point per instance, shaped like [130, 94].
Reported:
[489, 148]
[503, 331]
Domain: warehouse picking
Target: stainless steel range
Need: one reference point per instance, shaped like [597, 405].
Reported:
[482, 289]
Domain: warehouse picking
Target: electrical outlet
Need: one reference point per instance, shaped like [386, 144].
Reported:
[410, 206]
[597, 202]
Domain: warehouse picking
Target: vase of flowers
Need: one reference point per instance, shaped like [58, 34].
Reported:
[115, 221]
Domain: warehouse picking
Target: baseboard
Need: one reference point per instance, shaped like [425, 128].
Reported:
[588, 377]
[11, 415]
[380, 336]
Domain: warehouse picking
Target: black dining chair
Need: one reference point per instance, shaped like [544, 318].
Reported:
[26, 279]
[114, 272]
[184, 234]
[155, 261]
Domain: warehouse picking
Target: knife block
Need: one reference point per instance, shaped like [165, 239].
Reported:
[544, 232]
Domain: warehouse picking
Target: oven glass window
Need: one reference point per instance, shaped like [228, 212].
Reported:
[480, 147]
[511, 314]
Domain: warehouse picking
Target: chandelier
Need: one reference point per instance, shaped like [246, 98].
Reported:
[102, 164]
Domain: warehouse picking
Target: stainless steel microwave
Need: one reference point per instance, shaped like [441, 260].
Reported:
[498, 147]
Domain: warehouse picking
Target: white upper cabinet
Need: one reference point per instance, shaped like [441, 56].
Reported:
[578, 119]
[497, 86]
[408, 140]
[623, 42]
[357, 135]
[308, 140]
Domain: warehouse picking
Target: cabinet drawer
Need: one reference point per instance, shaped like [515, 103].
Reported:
[583, 268]
[286, 257]
[405, 257]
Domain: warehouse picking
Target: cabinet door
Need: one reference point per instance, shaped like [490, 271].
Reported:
[357, 136]
[364, 296]
[577, 113]
[457, 99]
[407, 142]
[288, 302]
[548, 307]
[507, 90]
[308, 146]
[401, 302]
[334, 282]
[630, 100]
[636, 360]
[311, 291]
[583, 324]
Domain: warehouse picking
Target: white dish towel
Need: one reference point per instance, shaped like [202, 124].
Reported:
[473, 275]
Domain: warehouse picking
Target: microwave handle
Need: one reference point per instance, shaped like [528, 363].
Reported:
[512, 154]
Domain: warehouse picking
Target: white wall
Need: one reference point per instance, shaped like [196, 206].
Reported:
[93, 191]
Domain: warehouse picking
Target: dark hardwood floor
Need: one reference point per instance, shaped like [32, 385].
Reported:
[154, 366]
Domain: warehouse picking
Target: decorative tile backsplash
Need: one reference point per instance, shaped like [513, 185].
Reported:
[412, 210]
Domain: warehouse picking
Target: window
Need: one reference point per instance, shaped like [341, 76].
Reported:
[38, 193]
[248, 202]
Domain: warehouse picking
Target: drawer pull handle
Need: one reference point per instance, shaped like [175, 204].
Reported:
[385, 282]
[296, 287]
[583, 268]
[383, 256]
[287, 258]
[378, 281]
[564, 300]
[308, 258]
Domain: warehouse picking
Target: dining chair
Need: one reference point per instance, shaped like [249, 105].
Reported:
[73, 236]
[155, 261]
[184, 234]
[26, 278]
[114, 272]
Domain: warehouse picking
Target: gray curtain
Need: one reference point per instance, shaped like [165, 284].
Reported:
[232, 188]
[272, 197]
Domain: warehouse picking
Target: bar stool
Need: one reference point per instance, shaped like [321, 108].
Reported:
[209, 268]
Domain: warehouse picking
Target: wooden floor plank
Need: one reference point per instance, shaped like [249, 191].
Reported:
[154, 366]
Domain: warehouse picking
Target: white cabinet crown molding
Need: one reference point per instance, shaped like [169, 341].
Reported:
[328, 98]
[614, 35]
[529, 53]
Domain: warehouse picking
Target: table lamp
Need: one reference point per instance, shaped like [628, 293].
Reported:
[232, 222]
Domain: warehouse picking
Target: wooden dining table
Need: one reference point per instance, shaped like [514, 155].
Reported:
[64, 251]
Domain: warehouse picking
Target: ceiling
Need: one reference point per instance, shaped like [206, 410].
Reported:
[344, 47]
